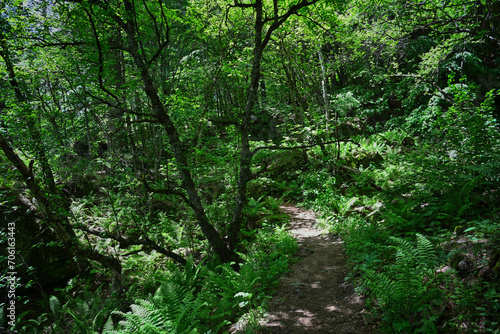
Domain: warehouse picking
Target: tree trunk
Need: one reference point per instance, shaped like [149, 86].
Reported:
[50, 202]
[260, 43]
[214, 238]
[323, 86]
[245, 153]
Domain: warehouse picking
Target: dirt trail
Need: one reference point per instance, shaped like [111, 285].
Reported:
[313, 298]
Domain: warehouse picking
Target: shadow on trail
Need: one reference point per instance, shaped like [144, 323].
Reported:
[314, 297]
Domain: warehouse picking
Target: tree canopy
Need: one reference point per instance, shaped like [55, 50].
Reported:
[156, 130]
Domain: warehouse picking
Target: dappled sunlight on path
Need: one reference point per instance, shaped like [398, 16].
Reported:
[314, 297]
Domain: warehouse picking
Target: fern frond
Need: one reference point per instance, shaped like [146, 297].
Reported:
[109, 326]
[172, 309]
[380, 284]
[396, 220]
[425, 251]
[347, 205]
[403, 244]
[82, 327]
[55, 305]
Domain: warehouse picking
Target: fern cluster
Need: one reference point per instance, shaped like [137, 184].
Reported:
[85, 314]
[202, 299]
[172, 309]
[402, 290]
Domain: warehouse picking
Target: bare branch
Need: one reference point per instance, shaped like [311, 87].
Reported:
[146, 243]
[158, 52]
[302, 146]
[278, 21]
[101, 60]
[237, 3]
[165, 191]
[142, 121]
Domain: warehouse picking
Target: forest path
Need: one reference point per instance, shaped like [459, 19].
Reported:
[313, 297]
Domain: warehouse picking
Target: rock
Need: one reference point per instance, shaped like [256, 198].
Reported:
[289, 160]
[90, 150]
[351, 128]
[36, 246]
[364, 158]
[461, 263]
[463, 266]
[262, 187]
[408, 142]
[80, 187]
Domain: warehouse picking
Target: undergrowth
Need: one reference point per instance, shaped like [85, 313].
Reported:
[204, 299]
[200, 297]
[420, 228]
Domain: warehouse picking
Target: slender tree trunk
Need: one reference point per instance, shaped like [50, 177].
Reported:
[50, 203]
[52, 117]
[261, 40]
[119, 80]
[214, 238]
[245, 153]
[323, 86]
[291, 84]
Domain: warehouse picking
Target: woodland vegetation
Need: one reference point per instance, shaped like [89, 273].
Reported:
[146, 146]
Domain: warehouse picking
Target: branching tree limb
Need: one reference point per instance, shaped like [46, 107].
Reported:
[124, 243]
[303, 146]
[246, 154]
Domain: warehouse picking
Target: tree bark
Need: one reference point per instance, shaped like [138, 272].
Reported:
[261, 40]
[50, 202]
[159, 112]
[323, 85]
[246, 154]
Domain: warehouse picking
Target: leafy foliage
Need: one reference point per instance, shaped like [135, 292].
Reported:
[391, 107]
[172, 309]
[400, 291]
[198, 299]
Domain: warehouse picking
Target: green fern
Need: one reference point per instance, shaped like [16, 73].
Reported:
[401, 290]
[400, 218]
[425, 252]
[342, 205]
[172, 309]
[55, 306]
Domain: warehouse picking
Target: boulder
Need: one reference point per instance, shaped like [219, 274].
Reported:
[351, 128]
[80, 187]
[90, 150]
[364, 158]
[285, 161]
[408, 142]
[39, 257]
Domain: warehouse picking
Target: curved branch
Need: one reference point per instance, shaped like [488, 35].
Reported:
[243, 5]
[154, 20]
[158, 52]
[166, 191]
[101, 60]
[127, 242]
[302, 146]
[278, 21]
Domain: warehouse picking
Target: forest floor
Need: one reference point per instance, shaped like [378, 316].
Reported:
[314, 296]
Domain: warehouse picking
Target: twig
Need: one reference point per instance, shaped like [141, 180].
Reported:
[303, 146]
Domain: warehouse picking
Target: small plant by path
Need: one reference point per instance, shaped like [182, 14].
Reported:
[314, 297]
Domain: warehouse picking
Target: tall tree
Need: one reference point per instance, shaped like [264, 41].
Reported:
[265, 23]
[127, 18]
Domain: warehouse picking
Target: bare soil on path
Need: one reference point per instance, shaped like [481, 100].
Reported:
[314, 297]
